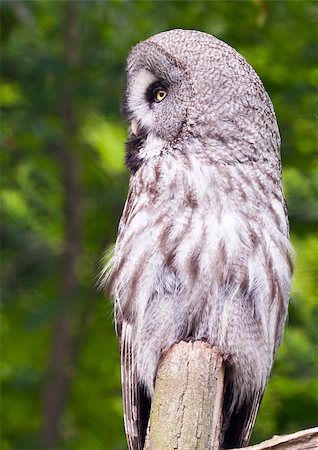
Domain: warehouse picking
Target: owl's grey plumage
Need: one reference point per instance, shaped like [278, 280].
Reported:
[202, 248]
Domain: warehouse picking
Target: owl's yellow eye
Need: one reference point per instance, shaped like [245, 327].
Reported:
[159, 94]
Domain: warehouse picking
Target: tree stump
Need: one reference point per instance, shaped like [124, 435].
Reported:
[186, 410]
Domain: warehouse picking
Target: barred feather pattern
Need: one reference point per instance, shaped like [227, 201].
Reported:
[202, 248]
[189, 263]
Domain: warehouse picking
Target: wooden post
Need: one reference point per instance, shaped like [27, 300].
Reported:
[186, 412]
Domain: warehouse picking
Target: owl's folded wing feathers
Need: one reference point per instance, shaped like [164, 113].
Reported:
[136, 403]
[238, 426]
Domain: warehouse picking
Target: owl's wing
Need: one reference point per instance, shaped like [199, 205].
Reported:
[240, 423]
[128, 208]
[136, 402]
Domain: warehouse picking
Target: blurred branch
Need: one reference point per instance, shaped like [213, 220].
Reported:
[23, 13]
[304, 440]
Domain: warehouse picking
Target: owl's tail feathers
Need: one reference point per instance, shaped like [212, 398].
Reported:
[238, 424]
[136, 402]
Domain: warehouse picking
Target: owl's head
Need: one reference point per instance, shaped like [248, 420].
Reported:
[187, 89]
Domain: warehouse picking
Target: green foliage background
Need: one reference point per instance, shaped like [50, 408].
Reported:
[279, 39]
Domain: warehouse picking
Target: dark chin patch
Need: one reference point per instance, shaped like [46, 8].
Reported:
[133, 147]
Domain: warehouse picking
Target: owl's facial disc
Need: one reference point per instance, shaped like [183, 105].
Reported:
[156, 105]
[155, 93]
[145, 93]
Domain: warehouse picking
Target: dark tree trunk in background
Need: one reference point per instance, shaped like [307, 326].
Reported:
[63, 341]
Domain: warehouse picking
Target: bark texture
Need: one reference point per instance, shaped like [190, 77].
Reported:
[186, 410]
[187, 403]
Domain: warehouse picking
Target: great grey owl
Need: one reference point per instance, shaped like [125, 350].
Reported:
[202, 249]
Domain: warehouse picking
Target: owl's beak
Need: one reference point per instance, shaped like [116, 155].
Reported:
[134, 127]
